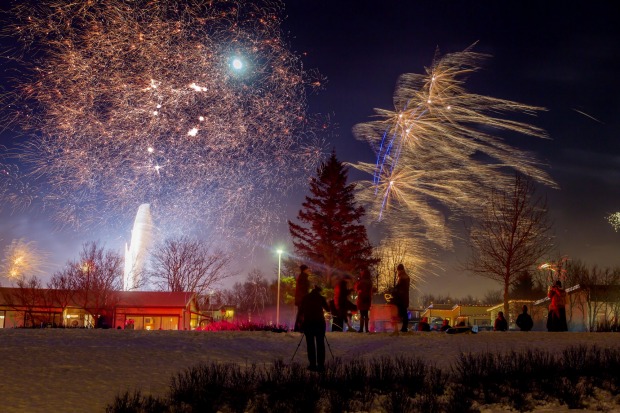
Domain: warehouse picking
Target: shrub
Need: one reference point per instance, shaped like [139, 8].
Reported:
[401, 384]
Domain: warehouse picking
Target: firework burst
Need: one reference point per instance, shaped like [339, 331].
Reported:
[439, 152]
[22, 259]
[197, 108]
[614, 220]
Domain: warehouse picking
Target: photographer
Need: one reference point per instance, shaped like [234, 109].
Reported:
[313, 324]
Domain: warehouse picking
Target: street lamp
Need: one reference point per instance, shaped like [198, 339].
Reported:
[279, 251]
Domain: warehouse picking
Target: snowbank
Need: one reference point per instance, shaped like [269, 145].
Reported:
[83, 370]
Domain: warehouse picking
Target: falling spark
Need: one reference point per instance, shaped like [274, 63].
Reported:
[112, 78]
[588, 116]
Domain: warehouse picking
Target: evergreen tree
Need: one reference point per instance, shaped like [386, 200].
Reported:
[525, 288]
[331, 235]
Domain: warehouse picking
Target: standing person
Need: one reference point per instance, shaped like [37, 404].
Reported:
[556, 320]
[301, 290]
[401, 295]
[313, 324]
[500, 322]
[524, 321]
[363, 287]
[342, 305]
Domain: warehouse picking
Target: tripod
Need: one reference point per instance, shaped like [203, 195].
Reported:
[299, 344]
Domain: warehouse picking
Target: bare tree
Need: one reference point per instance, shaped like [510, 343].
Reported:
[512, 236]
[95, 277]
[492, 297]
[389, 254]
[599, 301]
[61, 289]
[185, 264]
[251, 296]
[27, 296]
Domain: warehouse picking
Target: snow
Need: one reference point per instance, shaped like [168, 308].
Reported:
[78, 370]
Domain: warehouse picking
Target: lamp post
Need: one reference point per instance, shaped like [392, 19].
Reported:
[279, 251]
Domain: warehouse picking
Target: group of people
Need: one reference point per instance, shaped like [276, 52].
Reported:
[556, 318]
[312, 305]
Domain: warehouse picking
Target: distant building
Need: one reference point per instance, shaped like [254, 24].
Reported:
[470, 315]
[140, 310]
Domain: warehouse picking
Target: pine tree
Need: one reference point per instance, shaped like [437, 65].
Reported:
[331, 235]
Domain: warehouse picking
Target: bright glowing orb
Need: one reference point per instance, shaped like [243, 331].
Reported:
[237, 63]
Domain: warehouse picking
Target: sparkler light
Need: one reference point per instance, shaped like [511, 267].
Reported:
[134, 102]
[441, 151]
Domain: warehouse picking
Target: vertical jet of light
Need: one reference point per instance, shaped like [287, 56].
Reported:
[136, 252]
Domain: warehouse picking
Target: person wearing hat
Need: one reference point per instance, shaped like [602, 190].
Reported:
[312, 310]
[301, 290]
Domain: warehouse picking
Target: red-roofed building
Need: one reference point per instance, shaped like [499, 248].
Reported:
[141, 310]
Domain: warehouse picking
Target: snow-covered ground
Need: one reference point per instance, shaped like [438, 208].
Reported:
[54, 370]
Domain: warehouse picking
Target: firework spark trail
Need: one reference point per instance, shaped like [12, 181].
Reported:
[439, 150]
[197, 108]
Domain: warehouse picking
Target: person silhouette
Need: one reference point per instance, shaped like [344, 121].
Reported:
[401, 297]
[500, 322]
[524, 320]
[313, 325]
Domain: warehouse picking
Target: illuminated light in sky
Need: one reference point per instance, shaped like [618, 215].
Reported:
[198, 88]
[237, 63]
[193, 132]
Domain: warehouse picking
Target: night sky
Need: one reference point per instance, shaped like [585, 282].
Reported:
[560, 55]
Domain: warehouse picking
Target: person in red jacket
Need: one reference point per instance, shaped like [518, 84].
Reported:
[556, 320]
[363, 287]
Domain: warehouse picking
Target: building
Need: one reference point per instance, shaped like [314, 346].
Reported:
[470, 315]
[142, 310]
